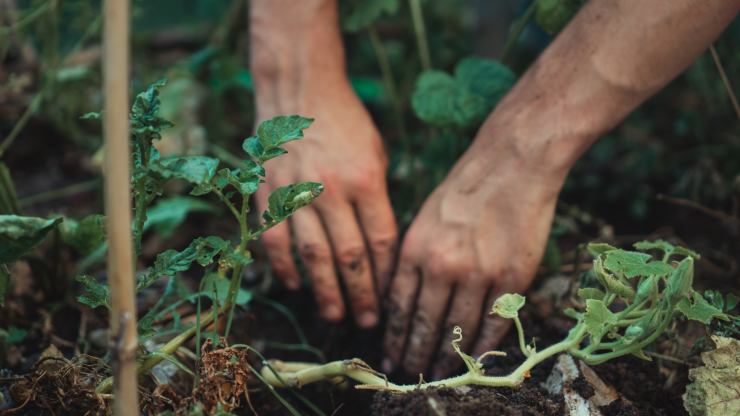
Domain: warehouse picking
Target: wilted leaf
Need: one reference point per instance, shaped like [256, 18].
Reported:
[464, 100]
[20, 234]
[715, 388]
[598, 318]
[631, 264]
[508, 305]
[85, 235]
[94, 294]
[169, 213]
[356, 15]
[698, 309]
[680, 281]
[612, 283]
[284, 201]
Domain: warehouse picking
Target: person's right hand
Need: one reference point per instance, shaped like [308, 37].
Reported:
[349, 232]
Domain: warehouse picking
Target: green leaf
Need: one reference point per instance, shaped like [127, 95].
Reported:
[94, 294]
[661, 245]
[678, 285]
[597, 249]
[194, 169]
[168, 214]
[508, 305]
[647, 288]
[715, 387]
[20, 234]
[590, 293]
[356, 15]
[272, 134]
[202, 250]
[698, 309]
[631, 264]
[220, 285]
[284, 201]
[612, 283]
[553, 15]
[598, 318]
[465, 100]
[86, 235]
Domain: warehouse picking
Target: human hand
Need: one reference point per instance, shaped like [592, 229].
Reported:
[351, 225]
[480, 234]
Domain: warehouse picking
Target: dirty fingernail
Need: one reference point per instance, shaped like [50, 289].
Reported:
[387, 365]
[367, 319]
[332, 313]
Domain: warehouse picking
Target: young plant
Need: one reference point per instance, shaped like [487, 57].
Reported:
[631, 300]
[234, 188]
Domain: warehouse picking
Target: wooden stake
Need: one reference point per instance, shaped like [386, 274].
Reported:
[118, 207]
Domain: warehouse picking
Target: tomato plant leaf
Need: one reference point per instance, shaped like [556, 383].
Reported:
[20, 234]
[95, 294]
[273, 133]
[508, 305]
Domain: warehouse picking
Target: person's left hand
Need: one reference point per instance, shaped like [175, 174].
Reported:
[481, 233]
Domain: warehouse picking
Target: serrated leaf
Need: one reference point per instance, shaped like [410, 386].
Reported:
[356, 15]
[715, 387]
[20, 234]
[631, 264]
[463, 100]
[698, 309]
[167, 214]
[202, 250]
[284, 201]
[508, 305]
[612, 283]
[194, 169]
[597, 249]
[272, 134]
[661, 245]
[95, 294]
[590, 293]
[598, 318]
[86, 235]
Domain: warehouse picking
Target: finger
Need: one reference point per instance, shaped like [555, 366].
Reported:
[379, 227]
[315, 253]
[425, 325]
[465, 312]
[277, 244]
[493, 328]
[351, 256]
[400, 306]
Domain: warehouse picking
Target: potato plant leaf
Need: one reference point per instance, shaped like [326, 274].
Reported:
[167, 214]
[272, 134]
[20, 234]
[356, 15]
[95, 294]
[284, 201]
[632, 264]
[194, 169]
[463, 100]
[85, 235]
[508, 305]
[715, 387]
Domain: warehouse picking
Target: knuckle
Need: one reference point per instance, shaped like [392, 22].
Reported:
[314, 253]
[383, 244]
[352, 258]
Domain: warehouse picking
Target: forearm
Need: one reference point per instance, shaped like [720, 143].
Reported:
[293, 44]
[613, 56]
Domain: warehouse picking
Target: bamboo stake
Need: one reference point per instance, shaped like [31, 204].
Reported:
[118, 207]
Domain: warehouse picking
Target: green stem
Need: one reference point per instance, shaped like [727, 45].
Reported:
[236, 275]
[421, 34]
[390, 84]
[66, 191]
[25, 118]
[517, 30]
[520, 333]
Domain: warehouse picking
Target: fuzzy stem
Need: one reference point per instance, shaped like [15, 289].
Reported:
[520, 333]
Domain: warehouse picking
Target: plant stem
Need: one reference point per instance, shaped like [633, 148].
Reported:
[124, 340]
[725, 80]
[236, 275]
[53, 194]
[520, 333]
[421, 34]
[517, 30]
[25, 118]
[390, 84]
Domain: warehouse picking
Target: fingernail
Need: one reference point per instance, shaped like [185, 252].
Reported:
[386, 365]
[368, 319]
[332, 313]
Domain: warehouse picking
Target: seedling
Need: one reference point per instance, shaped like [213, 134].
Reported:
[630, 300]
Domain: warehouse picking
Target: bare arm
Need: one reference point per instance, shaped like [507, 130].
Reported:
[349, 232]
[482, 232]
